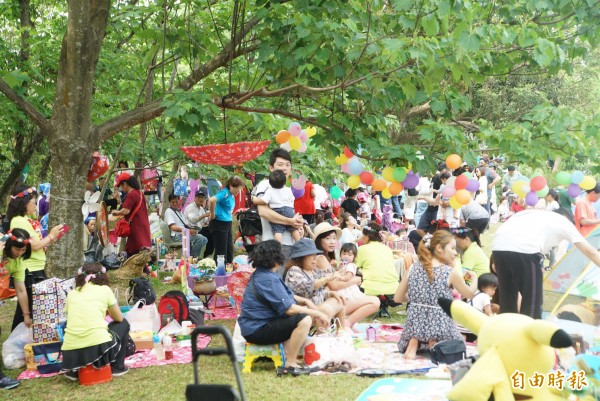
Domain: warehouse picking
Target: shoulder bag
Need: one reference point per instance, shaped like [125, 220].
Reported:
[123, 227]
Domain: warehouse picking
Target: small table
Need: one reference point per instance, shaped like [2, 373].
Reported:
[213, 296]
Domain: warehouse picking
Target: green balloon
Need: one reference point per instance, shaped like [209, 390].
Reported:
[563, 178]
[468, 175]
[543, 192]
[336, 192]
[399, 174]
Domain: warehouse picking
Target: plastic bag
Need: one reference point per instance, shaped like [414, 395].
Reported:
[172, 328]
[144, 318]
[13, 353]
[239, 342]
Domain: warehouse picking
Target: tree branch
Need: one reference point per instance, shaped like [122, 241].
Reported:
[38, 118]
[280, 112]
[129, 119]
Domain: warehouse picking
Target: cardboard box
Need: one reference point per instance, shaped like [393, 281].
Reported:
[142, 339]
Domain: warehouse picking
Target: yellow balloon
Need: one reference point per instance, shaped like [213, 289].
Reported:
[385, 192]
[517, 188]
[354, 181]
[462, 196]
[311, 131]
[341, 159]
[455, 203]
[587, 183]
[295, 142]
[388, 174]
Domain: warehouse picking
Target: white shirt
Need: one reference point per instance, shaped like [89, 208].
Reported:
[480, 301]
[191, 216]
[534, 231]
[267, 233]
[174, 217]
[279, 197]
[320, 195]
[349, 235]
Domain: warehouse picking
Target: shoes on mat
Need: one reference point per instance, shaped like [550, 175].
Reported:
[7, 383]
[292, 371]
[72, 375]
[119, 372]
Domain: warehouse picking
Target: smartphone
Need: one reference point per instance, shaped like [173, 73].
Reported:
[64, 230]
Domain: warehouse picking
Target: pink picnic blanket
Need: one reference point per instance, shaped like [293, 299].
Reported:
[141, 359]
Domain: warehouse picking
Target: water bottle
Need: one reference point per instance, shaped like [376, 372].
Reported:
[168, 346]
[220, 266]
[158, 348]
[371, 334]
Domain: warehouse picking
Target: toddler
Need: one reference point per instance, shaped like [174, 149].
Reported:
[487, 284]
[348, 271]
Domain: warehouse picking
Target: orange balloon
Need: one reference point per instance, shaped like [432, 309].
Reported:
[395, 188]
[282, 137]
[463, 196]
[378, 184]
[453, 161]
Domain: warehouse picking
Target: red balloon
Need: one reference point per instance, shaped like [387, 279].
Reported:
[461, 182]
[366, 177]
[537, 183]
[98, 166]
[348, 152]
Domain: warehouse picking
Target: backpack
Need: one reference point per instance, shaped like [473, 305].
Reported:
[141, 289]
[173, 306]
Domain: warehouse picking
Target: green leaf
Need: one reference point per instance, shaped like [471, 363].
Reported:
[469, 41]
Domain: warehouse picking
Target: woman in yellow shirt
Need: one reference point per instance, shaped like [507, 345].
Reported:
[89, 339]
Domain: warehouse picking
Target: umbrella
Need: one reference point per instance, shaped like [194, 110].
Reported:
[226, 154]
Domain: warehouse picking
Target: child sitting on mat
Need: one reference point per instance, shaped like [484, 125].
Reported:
[89, 339]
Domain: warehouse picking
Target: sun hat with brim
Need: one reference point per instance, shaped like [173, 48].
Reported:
[325, 227]
[122, 178]
[304, 247]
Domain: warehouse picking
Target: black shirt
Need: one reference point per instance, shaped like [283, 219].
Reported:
[351, 206]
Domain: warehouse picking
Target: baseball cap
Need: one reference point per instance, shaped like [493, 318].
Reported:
[121, 178]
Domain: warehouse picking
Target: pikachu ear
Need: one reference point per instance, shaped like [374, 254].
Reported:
[547, 333]
[464, 314]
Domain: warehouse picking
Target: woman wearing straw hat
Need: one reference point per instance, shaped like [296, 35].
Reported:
[326, 240]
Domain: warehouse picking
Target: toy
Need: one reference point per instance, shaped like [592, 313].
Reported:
[513, 349]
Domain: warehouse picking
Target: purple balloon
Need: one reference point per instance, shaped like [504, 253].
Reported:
[574, 190]
[298, 193]
[472, 186]
[411, 180]
[531, 198]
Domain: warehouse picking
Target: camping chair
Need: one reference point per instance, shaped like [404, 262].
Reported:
[387, 301]
[214, 392]
[171, 245]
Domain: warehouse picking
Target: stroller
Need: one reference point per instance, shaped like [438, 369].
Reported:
[250, 227]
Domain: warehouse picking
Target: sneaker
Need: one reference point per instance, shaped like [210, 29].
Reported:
[119, 372]
[72, 375]
[292, 370]
[7, 383]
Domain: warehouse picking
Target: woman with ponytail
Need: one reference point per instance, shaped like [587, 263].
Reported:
[428, 279]
[89, 339]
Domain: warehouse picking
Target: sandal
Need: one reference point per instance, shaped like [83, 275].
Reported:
[292, 370]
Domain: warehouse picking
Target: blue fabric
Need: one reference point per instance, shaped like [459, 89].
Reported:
[266, 298]
[225, 205]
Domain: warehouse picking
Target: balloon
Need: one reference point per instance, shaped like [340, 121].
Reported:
[303, 136]
[453, 161]
[526, 188]
[563, 178]
[587, 183]
[98, 166]
[454, 203]
[299, 182]
[574, 190]
[336, 192]
[388, 174]
[298, 193]
[448, 191]
[537, 183]
[472, 185]
[348, 152]
[399, 174]
[411, 180]
[576, 177]
[311, 131]
[355, 166]
[543, 192]
[282, 137]
[468, 175]
[346, 168]
[354, 181]
[531, 198]
[395, 188]
[286, 146]
[302, 148]
[463, 196]
[294, 129]
[366, 177]
[517, 188]
[385, 193]
[378, 184]
[450, 181]
[341, 159]
[461, 182]
[295, 142]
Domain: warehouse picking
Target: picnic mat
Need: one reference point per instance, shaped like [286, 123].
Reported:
[141, 359]
[392, 389]
[222, 313]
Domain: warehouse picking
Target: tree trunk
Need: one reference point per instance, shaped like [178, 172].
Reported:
[73, 137]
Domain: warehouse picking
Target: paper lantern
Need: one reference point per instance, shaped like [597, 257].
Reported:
[354, 181]
[395, 188]
[378, 184]
[453, 161]
[366, 177]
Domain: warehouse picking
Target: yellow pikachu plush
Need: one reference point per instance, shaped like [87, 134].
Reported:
[513, 348]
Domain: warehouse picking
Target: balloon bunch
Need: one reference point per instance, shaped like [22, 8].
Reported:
[298, 186]
[576, 182]
[98, 166]
[393, 182]
[459, 190]
[530, 189]
[295, 138]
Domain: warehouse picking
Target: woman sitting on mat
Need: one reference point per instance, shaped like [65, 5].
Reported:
[89, 339]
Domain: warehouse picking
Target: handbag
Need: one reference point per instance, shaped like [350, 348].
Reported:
[49, 298]
[48, 357]
[123, 227]
[448, 351]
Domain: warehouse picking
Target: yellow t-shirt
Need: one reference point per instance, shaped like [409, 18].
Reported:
[16, 269]
[380, 276]
[86, 308]
[475, 259]
[37, 261]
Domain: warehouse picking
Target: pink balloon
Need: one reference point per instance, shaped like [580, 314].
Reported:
[472, 185]
[298, 193]
[448, 191]
[303, 136]
[299, 182]
[346, 168]
[295, 129]
[574, 190]
[531, 198]
[302, 148]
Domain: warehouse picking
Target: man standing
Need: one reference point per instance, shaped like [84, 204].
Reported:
[305, 205]
[518, 250]
[197, 217]
[586, 219]
[176, 223]
[511, 176]
[492, 179]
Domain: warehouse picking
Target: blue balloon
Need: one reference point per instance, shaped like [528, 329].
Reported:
[355, 167]
[576, 177]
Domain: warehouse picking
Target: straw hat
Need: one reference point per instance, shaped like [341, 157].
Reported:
[325, 227]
